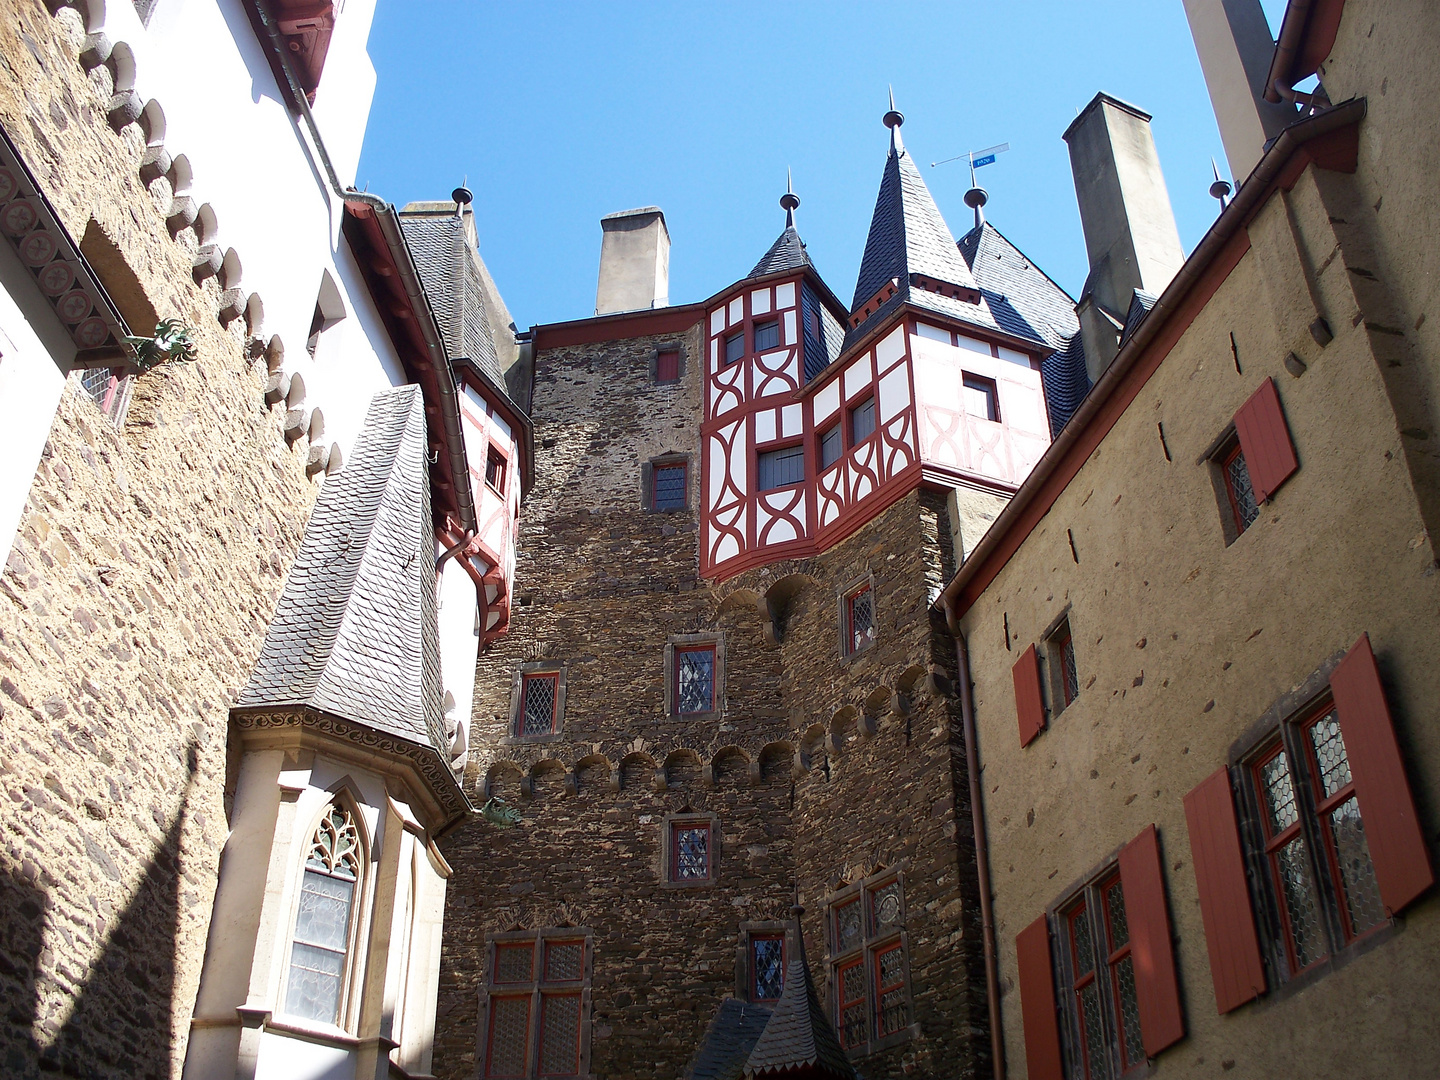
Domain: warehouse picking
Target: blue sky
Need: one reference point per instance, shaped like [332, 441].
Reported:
[560, 113]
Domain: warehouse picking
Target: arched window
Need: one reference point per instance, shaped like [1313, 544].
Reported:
[322, 927]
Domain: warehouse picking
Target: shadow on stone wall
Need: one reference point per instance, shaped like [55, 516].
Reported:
[121, 1022]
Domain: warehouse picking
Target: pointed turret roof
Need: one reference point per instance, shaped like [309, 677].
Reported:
[788, 252]
[355, 634]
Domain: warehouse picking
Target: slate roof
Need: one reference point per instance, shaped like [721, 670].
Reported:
[787, 253]
[728, 1041]
[451, 277]
[355, 633]
[1020, 296]
[1065, 381]
[798, 1038]
[1140, 305]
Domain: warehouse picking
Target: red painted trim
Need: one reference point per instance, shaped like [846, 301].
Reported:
[1029, 704]
[1265, 441]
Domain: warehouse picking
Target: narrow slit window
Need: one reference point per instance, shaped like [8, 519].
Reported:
[1065, 683]
[860, 619]
[767, 967]
[782, 467]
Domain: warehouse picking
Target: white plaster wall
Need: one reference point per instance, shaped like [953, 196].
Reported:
[33, 348]
[255, 165]
[459, 644]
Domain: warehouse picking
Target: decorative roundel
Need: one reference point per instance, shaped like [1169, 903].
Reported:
[91, 333]
[38, 248]
[8, 186]
[74, 306]
[888, 910]
[56, 278]
[19, 217]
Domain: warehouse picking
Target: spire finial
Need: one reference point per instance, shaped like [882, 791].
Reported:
[892, 120]
[976, 198]
[789, 201]
[1220, 189]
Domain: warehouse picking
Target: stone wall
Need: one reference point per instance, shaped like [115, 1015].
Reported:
[131, 609]
[818, 770]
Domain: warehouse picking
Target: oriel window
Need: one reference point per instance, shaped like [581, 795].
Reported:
[320, 948]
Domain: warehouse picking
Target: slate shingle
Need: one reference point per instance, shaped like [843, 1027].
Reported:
[728, 1041]
[787, 253]
[798, 1037]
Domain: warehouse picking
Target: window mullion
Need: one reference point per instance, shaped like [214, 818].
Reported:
[1321, 867]
[1109, 1007]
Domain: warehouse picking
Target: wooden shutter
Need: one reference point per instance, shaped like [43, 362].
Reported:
[1029, 706]
[1265, 441]
[1148, 918]
[1392, 828]
[1235, 966]
[1037, 1002]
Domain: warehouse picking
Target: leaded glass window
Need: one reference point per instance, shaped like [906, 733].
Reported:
[536, 1001]
[767, 967]
[867, 962]
[860, 619]
[1100, 1005]
[690, 851]
[321, 943]
[539, 706]
[668, 487]
[1239, 489]
[695, 679]
[850, 990]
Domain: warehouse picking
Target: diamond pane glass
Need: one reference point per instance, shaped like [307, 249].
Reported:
[509, 1036]
[1357, 873]
[695, 680]
[564, 961]
[1067, 669]
[1330, 754]
[669, 487]
[847, 926]
[514, 963]
[540, 694]
[852, 1005]
[1115, 909]
[1278, 794]
[767, 960]
[885, 903]
[1237, 476]
[893, 1012]
[692, 853]
[1129, 1012]
[96, 383]
[560, 1035]
[862, 619]
[1092, 1032]
[1307, 936]
[1084, 947]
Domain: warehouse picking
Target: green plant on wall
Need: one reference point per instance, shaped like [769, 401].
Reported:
[171, 344]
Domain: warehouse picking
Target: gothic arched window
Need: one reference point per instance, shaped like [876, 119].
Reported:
[321, 944]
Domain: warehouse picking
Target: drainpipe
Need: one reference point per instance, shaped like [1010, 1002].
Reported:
[982, 850]
[455, 550]
[1291, 31]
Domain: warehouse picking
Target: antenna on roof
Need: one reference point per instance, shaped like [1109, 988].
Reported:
[789, 201]
[1220, 189]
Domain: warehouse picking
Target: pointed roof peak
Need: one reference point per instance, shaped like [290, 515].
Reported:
[893, 120]
[788, 251]
[789, 201]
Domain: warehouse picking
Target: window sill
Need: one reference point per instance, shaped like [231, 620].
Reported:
[525, 740]
[312, 1031]
[863, 650]
[713, 714]
[704, 883]
[669, 509]
[1298, 983]
[876, 1046]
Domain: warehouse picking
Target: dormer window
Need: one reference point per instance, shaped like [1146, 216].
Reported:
[734, 347]
[767, 335]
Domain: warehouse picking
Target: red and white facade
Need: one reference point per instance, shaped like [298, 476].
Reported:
[492, 450]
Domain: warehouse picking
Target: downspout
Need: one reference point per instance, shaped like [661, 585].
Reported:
[454, 550]
[410, 277]
[1291, 31]
[982, 849]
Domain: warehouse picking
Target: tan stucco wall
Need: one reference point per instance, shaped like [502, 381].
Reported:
[1182, 643]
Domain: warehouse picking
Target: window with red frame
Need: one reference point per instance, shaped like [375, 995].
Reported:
[667, 486]
[1101, 1007]
[1065, 684]
[767, 966]
[859, 619]
[891, 1012]
[535, 1004]
[867, 962]
[667, 365]
[1239, 492]
[690, 852]
[1319, 878]
[539, 704]
[495, 469]
[851, 996]
[694, 689]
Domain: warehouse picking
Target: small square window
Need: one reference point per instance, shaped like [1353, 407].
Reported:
[495, 469]
[767, 966]
[982, 397]
[780, 468]
[862, 421]
[667, 366]
[859, 619]
[668, 487]
[690, 853]
[767, 336]
[734, 347]
[832, 446]
[1238, 490]
[540, 693]
[694, 679]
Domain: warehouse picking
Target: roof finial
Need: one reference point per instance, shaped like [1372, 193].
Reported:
[976, 198]
[1220, 189]
[893, 119]
[462, 197]
[789, 201]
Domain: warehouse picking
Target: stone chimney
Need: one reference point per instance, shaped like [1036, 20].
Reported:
[1130, 234]
[634, 261]
[1235, 47]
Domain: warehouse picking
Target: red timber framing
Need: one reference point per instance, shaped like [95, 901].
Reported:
[1328, 140]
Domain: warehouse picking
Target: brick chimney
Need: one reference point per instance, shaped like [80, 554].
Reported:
[1233, 41]
[1130, 234]
[634, 261]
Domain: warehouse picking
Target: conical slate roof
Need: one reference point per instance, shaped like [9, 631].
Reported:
[1020, 296]
[728, 1041]
[798, 1038]
[355, 633]
[787, 253]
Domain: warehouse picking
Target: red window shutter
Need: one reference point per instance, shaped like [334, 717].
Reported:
[1392, 828]
[1235, 966]
[667, 366]
[1265, 441]
[1029, 706]
[1037, 1002]
[1156, 990]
